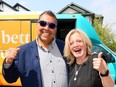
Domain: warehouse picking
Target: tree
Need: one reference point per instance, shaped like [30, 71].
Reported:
[105, 33]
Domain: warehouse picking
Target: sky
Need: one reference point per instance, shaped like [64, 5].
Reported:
[106, 8]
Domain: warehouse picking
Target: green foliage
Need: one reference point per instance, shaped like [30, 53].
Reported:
[105, 33]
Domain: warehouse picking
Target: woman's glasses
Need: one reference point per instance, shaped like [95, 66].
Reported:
[44, 24]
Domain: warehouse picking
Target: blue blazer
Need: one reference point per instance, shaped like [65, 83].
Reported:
[27, 66]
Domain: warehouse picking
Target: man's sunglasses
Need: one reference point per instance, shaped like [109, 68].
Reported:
[44, 24]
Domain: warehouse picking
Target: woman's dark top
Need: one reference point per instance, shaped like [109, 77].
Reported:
[87, 75]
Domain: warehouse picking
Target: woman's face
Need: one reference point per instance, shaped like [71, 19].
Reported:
[77, 45]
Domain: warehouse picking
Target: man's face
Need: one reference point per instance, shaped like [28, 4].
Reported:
[46, 29]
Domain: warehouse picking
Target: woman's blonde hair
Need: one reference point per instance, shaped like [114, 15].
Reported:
[87, 42]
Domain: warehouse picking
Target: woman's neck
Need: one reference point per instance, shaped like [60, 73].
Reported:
[81, 60]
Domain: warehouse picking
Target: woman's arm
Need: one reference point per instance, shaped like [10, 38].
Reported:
[107, 81]
[100, 65]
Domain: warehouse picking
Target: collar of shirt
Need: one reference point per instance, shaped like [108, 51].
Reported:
[51, 46]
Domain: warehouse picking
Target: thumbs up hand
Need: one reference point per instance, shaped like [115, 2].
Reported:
[99, 64]
[11, 54]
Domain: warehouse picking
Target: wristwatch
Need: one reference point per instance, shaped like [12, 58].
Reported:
[106, 74]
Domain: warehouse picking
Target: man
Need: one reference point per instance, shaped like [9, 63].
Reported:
[39, 63]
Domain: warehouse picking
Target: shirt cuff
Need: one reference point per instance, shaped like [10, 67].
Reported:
[6, 66]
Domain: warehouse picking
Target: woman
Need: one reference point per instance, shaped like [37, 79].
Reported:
[86, 70]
